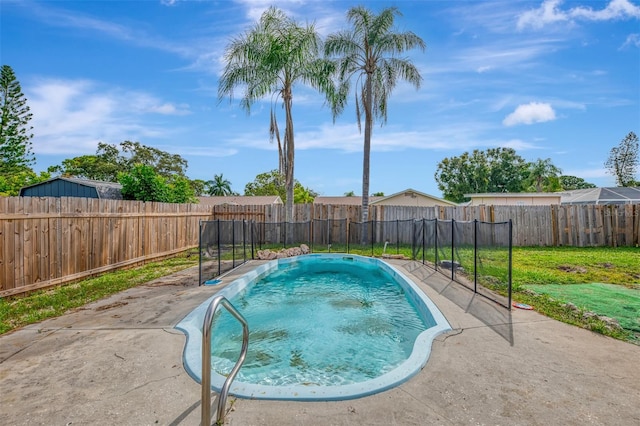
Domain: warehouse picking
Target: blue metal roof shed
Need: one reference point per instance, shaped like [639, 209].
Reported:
[74, 187]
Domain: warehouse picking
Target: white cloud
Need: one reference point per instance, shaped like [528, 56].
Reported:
[72, 116]
[345, 138]
[255, 8]
[326, 18]
[143, 103]
[518, 145]
[69, 19]
[550, 12]
[478, 17]
[616, 9]
[530, 113]
[502, 54]
[547, 13]
[169, 109]
[632, 40]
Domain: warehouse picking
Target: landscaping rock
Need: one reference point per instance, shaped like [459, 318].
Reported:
[611, 323]
[449, 264]
[280, 254]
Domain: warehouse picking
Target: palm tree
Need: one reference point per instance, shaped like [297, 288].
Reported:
[370, 53]
[219, 186]
[544, 176]
[269, 60]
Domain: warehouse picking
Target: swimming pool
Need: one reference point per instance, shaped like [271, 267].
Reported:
[322, 327]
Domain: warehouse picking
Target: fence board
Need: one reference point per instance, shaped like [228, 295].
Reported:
[49, 241]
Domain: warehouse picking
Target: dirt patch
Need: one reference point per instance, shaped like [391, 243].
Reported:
[572, 269]
[608, 265]
[185, 278]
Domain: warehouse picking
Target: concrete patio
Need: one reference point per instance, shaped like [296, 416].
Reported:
[119, 362]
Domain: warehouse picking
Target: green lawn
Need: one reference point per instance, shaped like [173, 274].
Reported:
[18, 311]
[569, 265]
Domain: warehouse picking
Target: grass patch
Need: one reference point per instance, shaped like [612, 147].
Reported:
[561, 275]
[19, 311]
[610, 300]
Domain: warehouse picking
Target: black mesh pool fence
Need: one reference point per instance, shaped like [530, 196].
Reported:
[472, 253]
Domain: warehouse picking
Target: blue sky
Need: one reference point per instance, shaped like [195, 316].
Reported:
[551, 79]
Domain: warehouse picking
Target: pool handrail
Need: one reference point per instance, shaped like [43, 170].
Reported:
[206, 356]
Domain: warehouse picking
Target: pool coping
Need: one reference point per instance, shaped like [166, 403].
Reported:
[419, 357]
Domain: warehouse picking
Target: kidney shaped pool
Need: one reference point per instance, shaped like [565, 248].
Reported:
[322, 327]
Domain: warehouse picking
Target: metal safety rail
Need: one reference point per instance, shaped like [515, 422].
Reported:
[206, 361]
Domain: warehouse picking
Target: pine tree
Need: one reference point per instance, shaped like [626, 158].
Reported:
[15, 132]
[623, 161]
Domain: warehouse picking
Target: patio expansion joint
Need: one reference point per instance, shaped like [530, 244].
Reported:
[33, 342]
[45, 333]
[166, 329]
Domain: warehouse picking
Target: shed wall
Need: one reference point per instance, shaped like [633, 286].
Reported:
[60, 188]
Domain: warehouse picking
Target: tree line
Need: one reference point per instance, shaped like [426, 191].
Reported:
[271, 59]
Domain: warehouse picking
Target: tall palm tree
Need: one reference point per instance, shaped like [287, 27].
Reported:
[219, 186]
[370, 52]
[269, 60]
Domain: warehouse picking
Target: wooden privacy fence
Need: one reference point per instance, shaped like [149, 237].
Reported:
[50, 241]
[556, 225]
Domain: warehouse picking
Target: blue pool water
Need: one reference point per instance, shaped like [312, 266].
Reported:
[321, 327]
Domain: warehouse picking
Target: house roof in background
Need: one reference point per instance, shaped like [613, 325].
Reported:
[241, 200]
[353, 200]
[515, 194]
[357, 200]
[422, 194]
[612, 195]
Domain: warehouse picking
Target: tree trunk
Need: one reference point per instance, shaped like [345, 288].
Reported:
[289, 148]
[368, 124]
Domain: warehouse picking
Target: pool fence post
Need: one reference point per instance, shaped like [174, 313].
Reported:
[233, 243]
[283, 234]
[372, 225]
[313, 230]
[219, 249]
[453, 245]
[244, 240]
[423, 240]
[435, 233]
[252, 231]
[200, 252]
[475, 255]
[510, 257]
